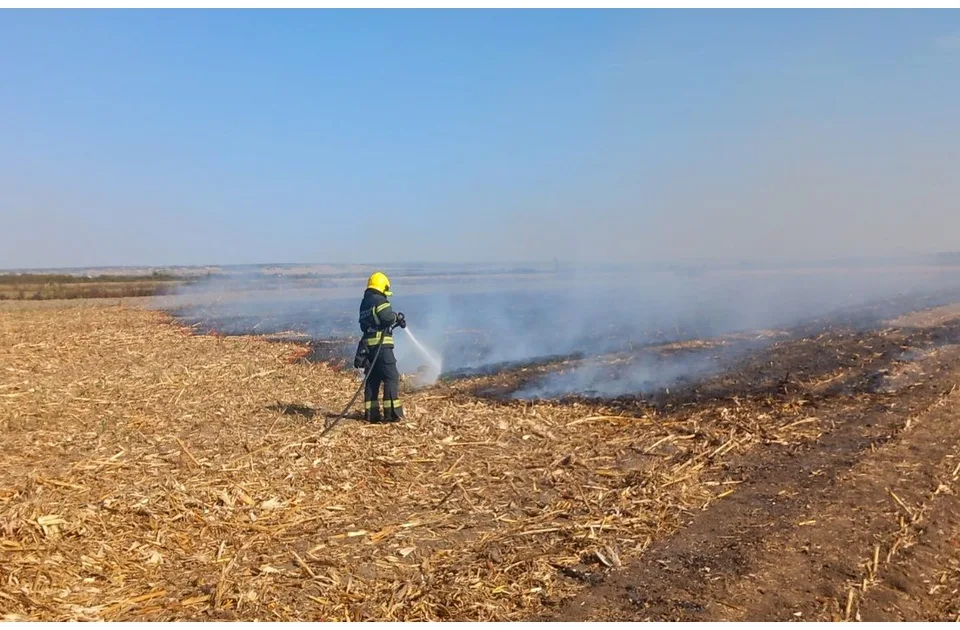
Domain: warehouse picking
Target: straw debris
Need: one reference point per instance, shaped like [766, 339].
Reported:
[151, 474]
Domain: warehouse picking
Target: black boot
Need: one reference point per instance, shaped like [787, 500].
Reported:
[394, 414]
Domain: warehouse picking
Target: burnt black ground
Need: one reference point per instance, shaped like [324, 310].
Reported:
[563, 327]
[793, 540]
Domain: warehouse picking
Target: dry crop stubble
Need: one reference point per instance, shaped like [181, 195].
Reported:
[148, 473]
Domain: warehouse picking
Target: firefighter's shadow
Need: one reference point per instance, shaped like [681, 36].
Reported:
[294, 409]
[309, 413]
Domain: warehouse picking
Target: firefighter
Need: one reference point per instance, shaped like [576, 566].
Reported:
[377, 321]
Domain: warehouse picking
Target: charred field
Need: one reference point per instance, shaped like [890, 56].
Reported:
[803, 472]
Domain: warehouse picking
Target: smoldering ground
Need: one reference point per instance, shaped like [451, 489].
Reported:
[505, 320]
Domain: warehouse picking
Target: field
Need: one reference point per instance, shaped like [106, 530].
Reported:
[50, 286]
[150, 473]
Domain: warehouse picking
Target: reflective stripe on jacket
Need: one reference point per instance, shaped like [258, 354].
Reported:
[376, 315]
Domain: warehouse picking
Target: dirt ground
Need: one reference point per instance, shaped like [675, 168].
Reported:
[150, 474]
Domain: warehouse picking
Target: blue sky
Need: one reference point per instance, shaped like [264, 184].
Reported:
[204, 137]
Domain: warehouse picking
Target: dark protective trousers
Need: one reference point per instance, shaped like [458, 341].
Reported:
[383, 372]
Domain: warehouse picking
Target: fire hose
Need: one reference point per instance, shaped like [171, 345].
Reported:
[402, 323]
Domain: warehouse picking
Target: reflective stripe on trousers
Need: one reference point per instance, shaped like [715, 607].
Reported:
[387, 404]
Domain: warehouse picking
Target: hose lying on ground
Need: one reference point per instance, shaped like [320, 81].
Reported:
[329, 427]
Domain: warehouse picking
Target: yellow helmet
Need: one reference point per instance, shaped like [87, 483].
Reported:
[379, 282]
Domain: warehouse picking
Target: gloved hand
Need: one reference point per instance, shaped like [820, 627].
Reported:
[401, 320]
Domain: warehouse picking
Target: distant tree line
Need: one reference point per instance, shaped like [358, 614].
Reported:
[65, 278]
[49, 286]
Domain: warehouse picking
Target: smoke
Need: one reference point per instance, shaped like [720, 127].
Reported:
[595, 314]
[267, 300]
[635, 375]
[524, 315]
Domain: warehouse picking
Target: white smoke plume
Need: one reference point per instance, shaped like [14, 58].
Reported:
[505, 318]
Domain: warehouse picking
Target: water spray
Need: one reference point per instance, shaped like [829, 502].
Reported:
[436, 363]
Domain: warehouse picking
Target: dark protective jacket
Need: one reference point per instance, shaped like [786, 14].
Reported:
[376, 315]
